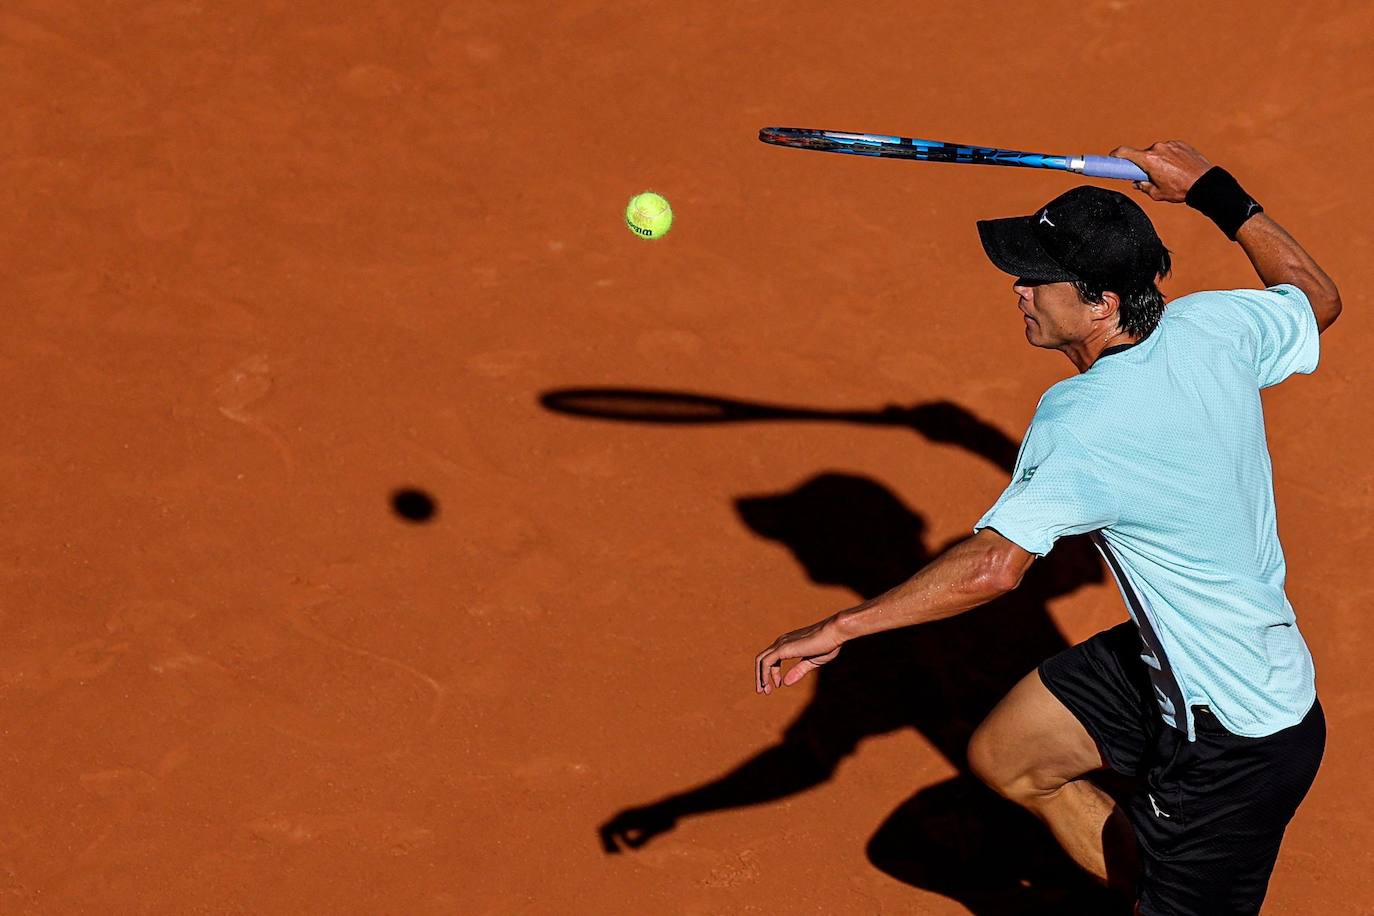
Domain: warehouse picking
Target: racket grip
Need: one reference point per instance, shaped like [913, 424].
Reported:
[1112, 167]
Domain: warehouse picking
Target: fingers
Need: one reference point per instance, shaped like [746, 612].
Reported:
[1174, 148]
[768, 676]
[764, 672]
[798, 671]
[1160, 149]
[768, 665]
[1139, 157]
[1129, 153]
[1146, 187]
[815, 644]
[1170, 166]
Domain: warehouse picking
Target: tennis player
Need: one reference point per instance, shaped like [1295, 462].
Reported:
[1206, 697]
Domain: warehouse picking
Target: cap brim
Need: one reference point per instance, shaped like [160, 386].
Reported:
[1011, 245]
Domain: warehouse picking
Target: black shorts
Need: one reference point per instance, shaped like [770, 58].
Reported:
[1209, 815]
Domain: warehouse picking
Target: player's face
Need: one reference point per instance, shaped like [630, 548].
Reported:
[1053, 313]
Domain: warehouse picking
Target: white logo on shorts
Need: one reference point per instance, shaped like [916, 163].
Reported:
[1045, 218]
[1155, 805]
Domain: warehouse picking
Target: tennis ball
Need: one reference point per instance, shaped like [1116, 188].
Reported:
[648, 215]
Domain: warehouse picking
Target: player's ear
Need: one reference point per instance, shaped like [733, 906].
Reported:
[1109, 306]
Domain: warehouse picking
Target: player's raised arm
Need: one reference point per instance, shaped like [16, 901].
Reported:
[1180, 174]
[1278, 258]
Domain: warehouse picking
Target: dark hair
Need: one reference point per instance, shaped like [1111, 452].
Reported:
[1141, 307]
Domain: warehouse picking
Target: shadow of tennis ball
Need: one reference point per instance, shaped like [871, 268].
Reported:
[413, 505]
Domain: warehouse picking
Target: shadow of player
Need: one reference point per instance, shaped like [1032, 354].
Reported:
[955, 838]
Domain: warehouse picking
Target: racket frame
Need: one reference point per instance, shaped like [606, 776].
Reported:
[889, 146]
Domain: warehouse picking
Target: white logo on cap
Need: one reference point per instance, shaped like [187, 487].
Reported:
[1045, 218]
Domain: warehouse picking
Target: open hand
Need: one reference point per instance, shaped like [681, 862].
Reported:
[814, 645]
[1172, 165]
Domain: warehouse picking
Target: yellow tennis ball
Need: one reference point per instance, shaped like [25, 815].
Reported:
[648, 215]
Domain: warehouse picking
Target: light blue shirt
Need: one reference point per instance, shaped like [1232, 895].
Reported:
[1160, 451]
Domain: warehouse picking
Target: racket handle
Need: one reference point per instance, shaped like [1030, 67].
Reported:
[1112, 167]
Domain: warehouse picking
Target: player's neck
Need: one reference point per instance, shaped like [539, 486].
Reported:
[1084, 353]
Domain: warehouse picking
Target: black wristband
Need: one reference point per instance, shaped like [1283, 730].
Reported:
[1220, 198]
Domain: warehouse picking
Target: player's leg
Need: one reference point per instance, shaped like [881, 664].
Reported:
[1032, 750]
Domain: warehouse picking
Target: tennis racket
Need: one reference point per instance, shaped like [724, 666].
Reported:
[885, 147]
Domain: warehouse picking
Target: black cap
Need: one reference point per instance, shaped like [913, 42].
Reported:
[1101, 237]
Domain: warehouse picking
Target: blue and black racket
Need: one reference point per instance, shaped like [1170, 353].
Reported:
[882, 146]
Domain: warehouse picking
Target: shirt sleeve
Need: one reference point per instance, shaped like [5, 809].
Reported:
[1276, 329]
[1055, 491]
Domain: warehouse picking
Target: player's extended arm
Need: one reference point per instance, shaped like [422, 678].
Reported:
[1173, 167]
[971, 573]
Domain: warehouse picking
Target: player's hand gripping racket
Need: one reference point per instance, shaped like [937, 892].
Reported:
[833, 141]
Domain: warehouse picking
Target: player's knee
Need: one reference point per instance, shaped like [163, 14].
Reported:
[988, 760]
[1008, 773]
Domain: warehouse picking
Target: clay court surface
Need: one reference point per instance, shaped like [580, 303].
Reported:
[266, 263]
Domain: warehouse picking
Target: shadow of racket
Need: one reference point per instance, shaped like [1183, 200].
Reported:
[643, 405]
[938, 421]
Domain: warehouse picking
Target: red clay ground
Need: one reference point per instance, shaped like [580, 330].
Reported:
[266, 262]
